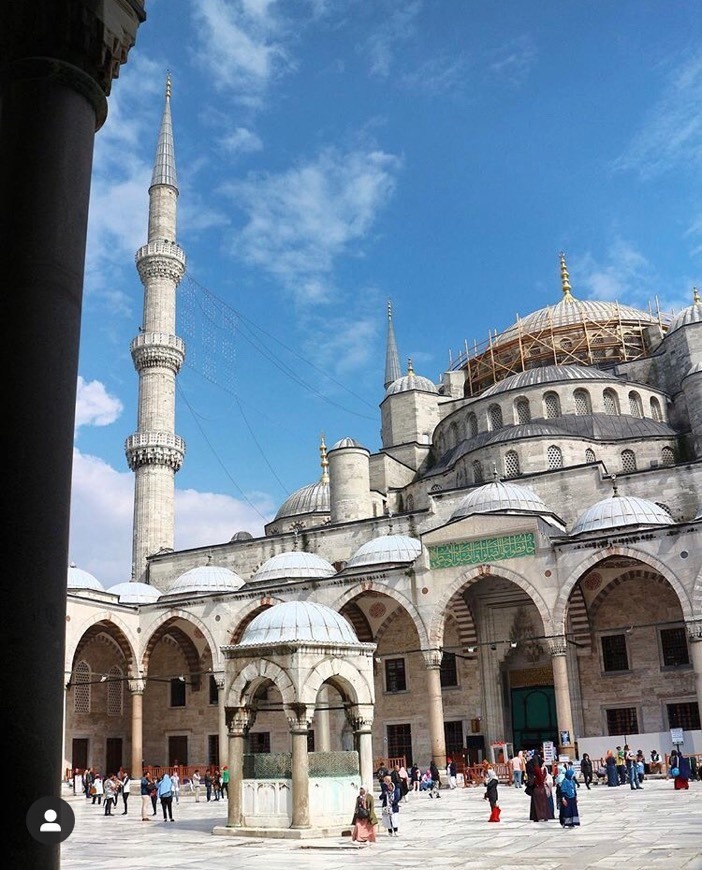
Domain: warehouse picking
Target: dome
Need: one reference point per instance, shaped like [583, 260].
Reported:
[546, 375]
[207, 579]
[410, 381]
[241, 536]
[621, 510]
[386, 549]
[310, 499]
[298, 620]
[499, 497]
[79, 579]
[689, 315]
[347, 442]
[135, 593]
[294, 565]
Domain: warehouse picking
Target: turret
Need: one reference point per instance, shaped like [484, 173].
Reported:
[349, 482]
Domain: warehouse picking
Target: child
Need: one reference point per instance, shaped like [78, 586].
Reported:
[491, 794]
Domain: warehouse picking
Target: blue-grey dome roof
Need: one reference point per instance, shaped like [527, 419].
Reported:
[346, 442]
[207, 579]
[79, 579]
[546, 375]
[499, 497]
[295, 621]
[689, 315]
[135, 593]
[310, 499]
[621, 510]
[241, 536]
[294, 565]
[386, 549]
[411, 381]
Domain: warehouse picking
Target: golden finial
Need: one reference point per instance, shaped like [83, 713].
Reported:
[410, 370]
[615, 488]
[168, 85]
[696, 296]
[565, 279]
[324, 460]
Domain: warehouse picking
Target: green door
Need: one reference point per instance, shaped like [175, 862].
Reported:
[533, 717]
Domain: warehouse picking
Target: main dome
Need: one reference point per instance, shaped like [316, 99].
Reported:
[499, 497]
[546, 375]
[206, 579]
[294, 565]
[385, 550]
[621, 510]
[298, 621]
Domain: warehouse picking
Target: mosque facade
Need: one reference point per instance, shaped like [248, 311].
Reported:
[520, 561]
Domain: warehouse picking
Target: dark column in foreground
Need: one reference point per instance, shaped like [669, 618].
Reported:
[57, 61]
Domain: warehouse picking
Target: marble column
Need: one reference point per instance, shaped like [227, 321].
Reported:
[222, 729]
[299, 726]
[363, 732]
[136, 689]
[322, 734]
[432, 661]
[694, 639]
[239, 721]
[558, 648]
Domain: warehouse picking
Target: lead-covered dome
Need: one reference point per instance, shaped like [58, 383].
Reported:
[411, 381]
[206, 579]
[135, 593]
[79, 579]
[689, 315]
[500, 497]
[546, 375]
[294, 565]
[385, 550]
[347, 442]
[310, 499]
[298, 621]
[621, 510]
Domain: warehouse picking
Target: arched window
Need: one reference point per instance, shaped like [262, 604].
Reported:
[81, 680]
[583, 405]
[656, 413]
[635, 406]
[115, 692]
[522, 411]
[495, 417]
[552, 405]
[452, 438]
[472, 425]
[611, 403]
[667, 456]
[628, 460]
[590, 456]
[410, 502]
[477, 471]
[555, 457]
[512, 464]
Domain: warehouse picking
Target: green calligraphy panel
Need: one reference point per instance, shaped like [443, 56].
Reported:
[483, 551]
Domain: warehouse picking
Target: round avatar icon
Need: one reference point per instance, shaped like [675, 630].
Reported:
[50, 820]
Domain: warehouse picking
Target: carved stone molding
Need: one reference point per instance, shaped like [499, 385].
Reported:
[154, 448]
[160, 267]
[239, 720]
[136, 687]
[557, 646]
[155, 349]
[299, 717]
[694, 630]
[432, 658]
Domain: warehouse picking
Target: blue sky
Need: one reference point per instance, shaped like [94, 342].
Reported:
[333, 154]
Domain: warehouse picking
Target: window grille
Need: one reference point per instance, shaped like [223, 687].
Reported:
[622, 720]
[628, 461]
[400, 742]
[555, 457]
[115, 692]
[614, 653]
[590, 456]
[685, 716]
[667, 456]
[635, 406]
[674, 647]
[582, 403]
[609, 399]
[395, 676]
[472, 425]
[477, 471]
[656, 413]
[523, 411]
[495, 414]
[449, 670]
[552, 405]
[81, 687]
[512, 464]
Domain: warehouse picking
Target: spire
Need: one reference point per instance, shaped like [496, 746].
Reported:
[410, 370]
[392, 358]
[696, 296]
[164, 164]
[324, 460]
[565, 280]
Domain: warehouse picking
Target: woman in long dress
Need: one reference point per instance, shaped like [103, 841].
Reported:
[364, 818]
[536, 777]
[611, 765]
[569, 816]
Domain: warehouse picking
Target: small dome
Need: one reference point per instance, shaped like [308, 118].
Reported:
[695, 369]
[241, 536]
[294, 565]
[79, 579]
[347, 442]
[499, 497]
[385, 550]
[546, 375]
[310, 499]
[689, 315]
[411, 381]
[135, 593]
[207, 579]
[621, 510]
[298, 620]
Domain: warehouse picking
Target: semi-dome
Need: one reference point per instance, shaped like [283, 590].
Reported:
[546, 375]
[689, 315]
[298, 621]
[241, 536]
[310, 499]
[207, 579]
[347, 442]
[386, 549]
[621, 510]
[79, 579]
[411, 381]
[135, 593]
[499, 497]
[294, 565]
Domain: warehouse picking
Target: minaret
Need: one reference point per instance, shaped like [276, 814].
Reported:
[155, 452]
[392, 358]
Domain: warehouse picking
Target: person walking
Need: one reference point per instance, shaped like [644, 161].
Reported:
[586, 770]
[209, 782]
[225, 782]
[364, 818]
[126, 788]
[175, 780]
[568, 815]
[611, 765]
[196, 785]
[390, 796]
[516, 764]
[145, 786]
[451, 773]
[415, 776]
[491, 783]
[165, 794]
[110, 788]
[97, 789]
[536, 789]
[631, 772]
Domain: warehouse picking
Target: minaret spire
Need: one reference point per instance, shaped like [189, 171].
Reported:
[155, 452]
[565, 280]
[323, 460]
[392, 358]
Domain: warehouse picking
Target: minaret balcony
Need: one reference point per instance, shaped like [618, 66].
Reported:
[157, 349]
[154, 448]
[160, 259]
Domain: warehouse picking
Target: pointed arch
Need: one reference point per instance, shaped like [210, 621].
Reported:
[242, 691]
[343, 676]
[364, 586]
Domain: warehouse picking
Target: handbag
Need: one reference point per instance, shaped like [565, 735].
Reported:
[529, 788]
[362, 812]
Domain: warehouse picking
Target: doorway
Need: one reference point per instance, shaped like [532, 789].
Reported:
[113, 755]
[79, 753]
[533, 717]
[177, 750]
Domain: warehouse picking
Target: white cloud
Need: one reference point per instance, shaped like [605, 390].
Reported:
[94, 405]
[241, 141]
[301, 220]
[513, 61]
[399, 27]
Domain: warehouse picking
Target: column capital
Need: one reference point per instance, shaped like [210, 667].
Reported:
[694, 630]
[136, 686]
[239, 720]
[432, 658]
[299, 716]
[219, 678]
[558, 645]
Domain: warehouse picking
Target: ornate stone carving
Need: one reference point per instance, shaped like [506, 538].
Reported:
[154, 448]
[239, 719]
[557, 646]
[160, 259]
[432, 658]
[694, 630]
[299, 716]
[152, 349]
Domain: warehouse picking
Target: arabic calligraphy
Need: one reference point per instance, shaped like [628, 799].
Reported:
[480, 552]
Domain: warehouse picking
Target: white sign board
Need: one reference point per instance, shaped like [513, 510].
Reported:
[676, 736]
[549, 750]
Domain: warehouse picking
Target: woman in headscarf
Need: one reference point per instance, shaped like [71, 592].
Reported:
[681, 773]
[611, 765]
[586, 770]
[364, 818]
[491, 783]
[549, 787]
[390, 798]
[538, 809]
[568, 815]
[165, 793]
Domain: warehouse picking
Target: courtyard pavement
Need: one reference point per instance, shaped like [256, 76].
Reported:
[655, 827]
